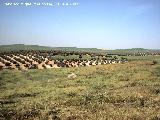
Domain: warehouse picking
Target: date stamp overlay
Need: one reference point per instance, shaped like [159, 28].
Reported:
[31, 4]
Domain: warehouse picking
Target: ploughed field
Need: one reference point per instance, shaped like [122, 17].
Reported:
[126, 91]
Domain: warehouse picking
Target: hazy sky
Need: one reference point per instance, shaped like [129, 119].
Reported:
[110, 24]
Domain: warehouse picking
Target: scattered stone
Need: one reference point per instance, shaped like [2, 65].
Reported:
[72, 76]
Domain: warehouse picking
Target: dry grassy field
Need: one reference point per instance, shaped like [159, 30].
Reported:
[129, 91]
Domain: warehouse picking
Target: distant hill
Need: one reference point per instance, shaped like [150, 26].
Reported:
[133, 50]
[15, 47]
[129, 51]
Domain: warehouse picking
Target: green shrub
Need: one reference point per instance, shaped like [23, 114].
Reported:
[154, 62]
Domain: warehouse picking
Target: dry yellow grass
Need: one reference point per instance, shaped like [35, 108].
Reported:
[129, 91]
